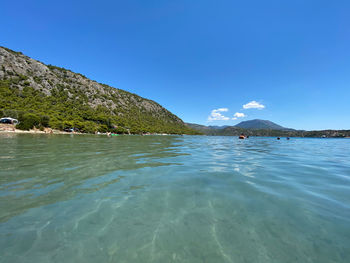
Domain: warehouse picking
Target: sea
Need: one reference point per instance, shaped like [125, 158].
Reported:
[90, 198]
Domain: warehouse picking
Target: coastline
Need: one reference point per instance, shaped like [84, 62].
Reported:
[9, 128]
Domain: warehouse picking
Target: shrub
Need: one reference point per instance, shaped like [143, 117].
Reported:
[120, 130]
[28, 121]
[56, 124]
[9, 113]
[22, 77]
[45, 120]
[37, 79]
[103, 128]
[89, 127]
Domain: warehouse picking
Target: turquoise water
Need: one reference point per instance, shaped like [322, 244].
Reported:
[173, 199]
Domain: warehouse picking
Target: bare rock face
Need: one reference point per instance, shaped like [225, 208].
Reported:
[47, 78]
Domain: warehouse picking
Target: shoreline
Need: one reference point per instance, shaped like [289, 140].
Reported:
[16, 131]
[10, 129]
[78, 133]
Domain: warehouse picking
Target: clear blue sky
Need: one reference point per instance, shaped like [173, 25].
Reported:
[197, 56]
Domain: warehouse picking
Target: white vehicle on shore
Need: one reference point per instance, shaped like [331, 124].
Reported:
[9, 120]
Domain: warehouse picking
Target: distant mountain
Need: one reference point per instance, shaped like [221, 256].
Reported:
[239, 128]
[198, 126]
[258, 124]
[218, 127]
[266, 128]
[284, 132]
[31, 91]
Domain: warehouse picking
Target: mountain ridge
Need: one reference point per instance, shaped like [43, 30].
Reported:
[286, 132]
[258, 124]
[71, 99]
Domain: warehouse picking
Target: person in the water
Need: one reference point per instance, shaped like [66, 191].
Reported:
[241, 136]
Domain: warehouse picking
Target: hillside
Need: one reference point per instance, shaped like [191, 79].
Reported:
[259, 125]
[236, 131]
[46, 95]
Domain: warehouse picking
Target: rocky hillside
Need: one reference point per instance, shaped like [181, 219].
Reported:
[68, 99]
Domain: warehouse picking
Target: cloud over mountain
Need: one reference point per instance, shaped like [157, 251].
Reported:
[216, 115]
[253, 105]
[238, 115]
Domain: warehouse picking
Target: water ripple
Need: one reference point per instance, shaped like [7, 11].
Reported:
[174, 199]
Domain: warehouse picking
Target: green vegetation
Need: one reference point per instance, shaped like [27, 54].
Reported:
[61, 110]
[50, 96]
[28, 121]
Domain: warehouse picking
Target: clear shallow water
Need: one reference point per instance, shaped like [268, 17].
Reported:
[173, 199]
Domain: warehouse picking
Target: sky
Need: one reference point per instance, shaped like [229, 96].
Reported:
[209, 62]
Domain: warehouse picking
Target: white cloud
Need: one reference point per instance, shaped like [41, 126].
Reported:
[253, 105]
[234, 118]
[239, 115]
[222, 109]
[215, 115]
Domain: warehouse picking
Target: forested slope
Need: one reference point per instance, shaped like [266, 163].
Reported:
[46, 95]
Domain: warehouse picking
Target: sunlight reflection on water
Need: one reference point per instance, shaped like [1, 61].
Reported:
[173, 199]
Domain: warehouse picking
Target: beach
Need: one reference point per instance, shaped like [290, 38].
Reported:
[10, 128]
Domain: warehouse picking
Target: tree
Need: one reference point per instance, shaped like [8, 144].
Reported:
[28, 121]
